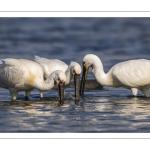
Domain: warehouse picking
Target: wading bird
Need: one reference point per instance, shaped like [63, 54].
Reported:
[132, 74]
[74, 69]
[25, 75]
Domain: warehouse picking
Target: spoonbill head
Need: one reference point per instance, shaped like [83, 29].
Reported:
[76, 71]
[89, 60]
[75, 68]
[58, 76]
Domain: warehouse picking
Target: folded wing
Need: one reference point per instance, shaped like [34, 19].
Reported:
[133, 73]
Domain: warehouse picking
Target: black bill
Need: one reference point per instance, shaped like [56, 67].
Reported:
[83, 80]
[77, 86]
[61, 86]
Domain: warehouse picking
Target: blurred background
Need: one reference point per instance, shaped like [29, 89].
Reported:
[69, 39]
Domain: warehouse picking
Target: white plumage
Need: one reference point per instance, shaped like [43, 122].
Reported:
[51, 65]
[132, 74]
[25, 75]
[74, 69]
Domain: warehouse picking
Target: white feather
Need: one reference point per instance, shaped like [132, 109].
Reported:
[25, 75]
[51, 65]
[132, 74]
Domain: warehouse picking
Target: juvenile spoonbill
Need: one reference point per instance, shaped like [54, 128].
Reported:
[74, 69]
[25, 75]
[132, 74]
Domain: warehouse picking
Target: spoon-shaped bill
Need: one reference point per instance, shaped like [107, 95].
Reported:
[77, 86]
[61, 86]
[83, 80]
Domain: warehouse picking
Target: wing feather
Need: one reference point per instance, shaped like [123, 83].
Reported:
[133, 73]
[11, 73]
[51, 65]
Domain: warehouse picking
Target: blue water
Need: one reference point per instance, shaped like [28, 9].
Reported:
[110, 110]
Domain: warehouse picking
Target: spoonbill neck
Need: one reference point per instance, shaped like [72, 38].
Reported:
[101, 77]
[42, 85]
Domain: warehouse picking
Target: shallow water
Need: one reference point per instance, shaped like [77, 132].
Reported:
[109, 110]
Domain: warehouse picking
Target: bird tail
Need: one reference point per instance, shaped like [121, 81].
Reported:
[37, 58]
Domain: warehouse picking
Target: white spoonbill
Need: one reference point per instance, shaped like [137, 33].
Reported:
[132, 74]
[74, 69]
[25, 75]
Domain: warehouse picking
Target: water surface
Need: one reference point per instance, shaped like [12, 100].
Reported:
[109, 110]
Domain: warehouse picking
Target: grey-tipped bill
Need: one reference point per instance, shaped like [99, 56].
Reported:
[83, 80]
[77, 86]
[61, 86]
